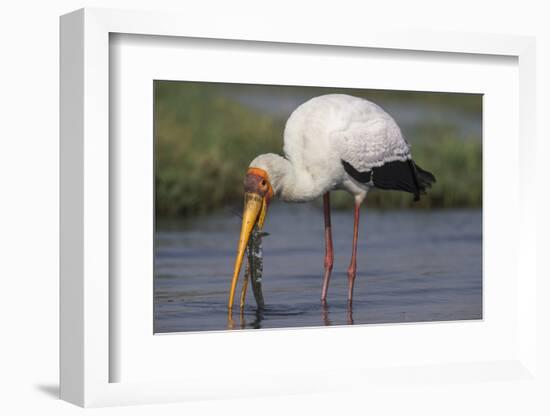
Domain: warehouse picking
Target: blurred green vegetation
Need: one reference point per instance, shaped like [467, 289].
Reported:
[205, 140]
[204, 144]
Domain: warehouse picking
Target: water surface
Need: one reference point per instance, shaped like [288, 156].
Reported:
[412, 266]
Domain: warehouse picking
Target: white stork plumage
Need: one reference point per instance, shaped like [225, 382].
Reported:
[331, 142]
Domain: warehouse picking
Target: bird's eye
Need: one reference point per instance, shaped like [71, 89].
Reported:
[263, 182]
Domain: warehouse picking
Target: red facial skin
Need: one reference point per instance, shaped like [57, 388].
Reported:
[258, 184]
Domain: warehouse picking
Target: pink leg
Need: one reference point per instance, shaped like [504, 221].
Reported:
[353, 263]
[329, 252]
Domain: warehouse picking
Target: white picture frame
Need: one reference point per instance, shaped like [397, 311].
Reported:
[86, 332]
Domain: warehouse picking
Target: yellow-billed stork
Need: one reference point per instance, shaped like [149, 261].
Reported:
[331, 142]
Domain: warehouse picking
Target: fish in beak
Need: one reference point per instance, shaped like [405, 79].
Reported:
[257, 195]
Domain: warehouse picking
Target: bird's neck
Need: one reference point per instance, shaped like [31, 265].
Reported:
[293, 183]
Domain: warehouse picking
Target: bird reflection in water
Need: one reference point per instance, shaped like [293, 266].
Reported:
[259, 316]
[256, 323]
[325, 314]
[349, 314]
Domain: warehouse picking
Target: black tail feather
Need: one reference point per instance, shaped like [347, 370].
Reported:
[425, 179]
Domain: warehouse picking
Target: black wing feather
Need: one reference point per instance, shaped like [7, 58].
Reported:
[363, 177]
[397, 175]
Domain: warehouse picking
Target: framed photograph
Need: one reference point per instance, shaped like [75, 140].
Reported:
[424, 232]
[281, 206]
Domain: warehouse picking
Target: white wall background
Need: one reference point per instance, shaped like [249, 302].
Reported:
[29, 200]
